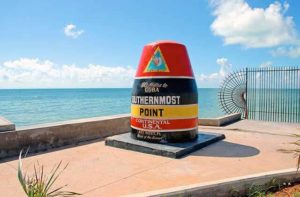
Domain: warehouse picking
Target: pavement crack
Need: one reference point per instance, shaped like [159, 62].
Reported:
[127, 177]
[248, 131]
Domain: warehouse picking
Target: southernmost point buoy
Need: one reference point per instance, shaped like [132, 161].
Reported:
[164, 102]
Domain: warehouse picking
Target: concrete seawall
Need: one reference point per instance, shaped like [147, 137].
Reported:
[6, 125]
[220, 121]
[47, 136]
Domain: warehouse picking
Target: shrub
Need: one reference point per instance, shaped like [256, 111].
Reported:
[40, 185]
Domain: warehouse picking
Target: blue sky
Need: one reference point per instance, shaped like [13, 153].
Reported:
[60, 43]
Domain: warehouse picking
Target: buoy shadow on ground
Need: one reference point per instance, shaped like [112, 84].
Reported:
[227, 149]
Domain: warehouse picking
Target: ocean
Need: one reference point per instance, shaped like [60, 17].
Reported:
[36, 106]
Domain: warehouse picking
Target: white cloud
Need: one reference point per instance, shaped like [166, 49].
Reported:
[292, 51]
[214, 79]
[267, 64]
[35, 73]
[285, 7]
[70, 31]
[238, 23]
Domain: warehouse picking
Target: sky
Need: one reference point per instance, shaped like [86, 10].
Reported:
[97, 43]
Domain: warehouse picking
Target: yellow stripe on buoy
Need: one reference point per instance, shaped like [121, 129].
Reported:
[164, 111]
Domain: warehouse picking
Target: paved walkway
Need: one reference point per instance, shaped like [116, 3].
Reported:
[98, 170]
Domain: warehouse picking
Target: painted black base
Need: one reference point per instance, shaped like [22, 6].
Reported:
[173, 150]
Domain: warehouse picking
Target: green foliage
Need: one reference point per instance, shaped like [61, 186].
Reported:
[257, 191]
[40, 185]
[260, 190]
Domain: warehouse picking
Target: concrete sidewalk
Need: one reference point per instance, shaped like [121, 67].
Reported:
[98, 170]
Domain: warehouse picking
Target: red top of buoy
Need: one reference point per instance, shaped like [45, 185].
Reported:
[164, 58]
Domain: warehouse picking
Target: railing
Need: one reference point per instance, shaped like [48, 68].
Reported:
[269, 94]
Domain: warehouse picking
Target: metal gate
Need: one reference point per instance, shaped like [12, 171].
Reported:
[269, 94]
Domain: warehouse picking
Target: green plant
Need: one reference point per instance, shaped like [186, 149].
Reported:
[264, 190]
[40, 185]
[256, 191]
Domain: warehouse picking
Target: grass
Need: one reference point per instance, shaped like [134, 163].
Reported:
[39, 184]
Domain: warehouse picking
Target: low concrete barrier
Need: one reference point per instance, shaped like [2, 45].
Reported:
[6, 125]
[220, 121]
[225, 187]
[47, 136]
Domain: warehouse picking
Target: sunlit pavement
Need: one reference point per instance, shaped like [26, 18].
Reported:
[98, 170]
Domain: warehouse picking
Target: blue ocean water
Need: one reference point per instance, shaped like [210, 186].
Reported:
[35, 106]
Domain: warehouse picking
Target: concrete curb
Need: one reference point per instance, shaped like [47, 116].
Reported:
[222, 188]
[220, 121]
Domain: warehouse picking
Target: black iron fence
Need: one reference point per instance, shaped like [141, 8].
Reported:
[269, 94]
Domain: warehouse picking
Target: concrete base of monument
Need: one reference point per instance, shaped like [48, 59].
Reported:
[173, 150]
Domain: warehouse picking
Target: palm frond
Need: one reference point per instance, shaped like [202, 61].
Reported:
[296, 151]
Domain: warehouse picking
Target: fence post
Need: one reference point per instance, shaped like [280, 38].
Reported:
[246, 110]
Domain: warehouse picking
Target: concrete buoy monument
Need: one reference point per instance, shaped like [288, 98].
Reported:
[164, 105]
[164, 102]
